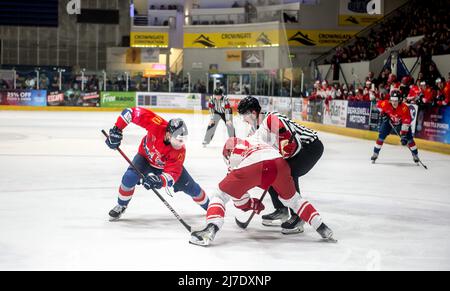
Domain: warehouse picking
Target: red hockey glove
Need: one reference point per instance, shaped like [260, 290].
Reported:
[252, 204]
[287, 148]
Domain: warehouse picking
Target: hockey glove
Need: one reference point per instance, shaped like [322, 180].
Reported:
[287, 148]
[384, 117]
[253, 204]
[403, 138]
[152, 181]
[115, 138]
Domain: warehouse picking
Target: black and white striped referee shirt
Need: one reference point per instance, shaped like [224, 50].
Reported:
[269, 131]
[221, 106]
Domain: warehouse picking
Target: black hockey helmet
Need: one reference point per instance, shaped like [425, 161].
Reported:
[218, 91]
[396, 95]
[177, 128]
[249, 104]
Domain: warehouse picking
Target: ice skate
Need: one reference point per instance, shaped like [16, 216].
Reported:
[205, 236]
[116, 212]
[374, 158]
[326, 233]
[416, 159]
[292, 225]
[276, 218]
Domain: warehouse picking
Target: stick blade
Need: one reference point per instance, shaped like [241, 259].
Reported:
[242, 225]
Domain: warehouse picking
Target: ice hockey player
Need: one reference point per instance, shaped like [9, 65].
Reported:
[219, 108]
[300, 146]
[252, 163]
[395, 113]
[160, 158]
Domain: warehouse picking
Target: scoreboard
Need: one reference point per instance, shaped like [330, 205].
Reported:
[29, 13]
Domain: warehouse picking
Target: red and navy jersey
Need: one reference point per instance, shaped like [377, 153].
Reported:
[399, 115]
[158, 154]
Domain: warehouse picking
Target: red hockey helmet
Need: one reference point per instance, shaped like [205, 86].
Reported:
[231, 144]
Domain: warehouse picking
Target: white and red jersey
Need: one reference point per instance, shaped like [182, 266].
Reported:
[327, 92]
[276, 127]
[250, 151]
[159, 154]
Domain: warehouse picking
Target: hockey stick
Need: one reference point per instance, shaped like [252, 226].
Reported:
[244, 225]
[187, 226]
[396, 132]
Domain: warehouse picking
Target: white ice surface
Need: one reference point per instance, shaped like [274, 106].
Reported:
[58, 180]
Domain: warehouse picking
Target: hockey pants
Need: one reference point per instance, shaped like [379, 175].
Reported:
[300, 165]
[211, 130]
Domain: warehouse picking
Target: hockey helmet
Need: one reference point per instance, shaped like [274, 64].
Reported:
[249, 104]
[396, 95]
[218, 91]
[177, 128]
[231, 144]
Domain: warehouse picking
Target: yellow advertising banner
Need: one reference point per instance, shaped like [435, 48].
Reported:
[318, 38]
[149, 39]
[234, 56]
[356, 20]
[232, 39]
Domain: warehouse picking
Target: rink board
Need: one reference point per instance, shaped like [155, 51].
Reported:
[357, 133]
[373, 135]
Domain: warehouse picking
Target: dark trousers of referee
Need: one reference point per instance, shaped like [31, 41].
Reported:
[212, 128]
[300, 165]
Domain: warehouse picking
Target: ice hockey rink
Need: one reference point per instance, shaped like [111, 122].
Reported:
[59, 180]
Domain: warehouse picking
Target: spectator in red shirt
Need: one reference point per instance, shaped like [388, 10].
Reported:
[443, 92]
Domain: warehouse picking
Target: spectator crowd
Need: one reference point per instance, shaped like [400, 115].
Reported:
[419, 18]
[420, 91]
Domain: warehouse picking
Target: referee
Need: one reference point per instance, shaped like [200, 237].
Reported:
[299, 146]
[219, 108]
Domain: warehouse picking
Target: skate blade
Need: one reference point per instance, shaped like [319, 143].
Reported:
[292, 231]
[330, 240]
[274, 223]
[201, 243]
[112, 219]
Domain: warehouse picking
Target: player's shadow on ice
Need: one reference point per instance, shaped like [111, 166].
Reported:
[398, 164]
[266, 237]
[159, 222]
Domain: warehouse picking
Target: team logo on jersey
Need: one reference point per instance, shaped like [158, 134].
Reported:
[157, 120]
[153, 155]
